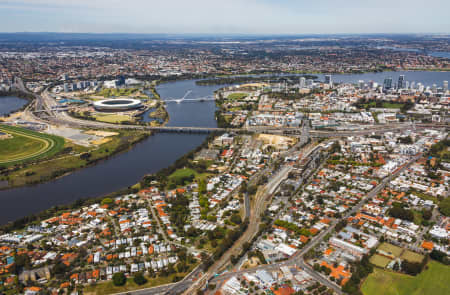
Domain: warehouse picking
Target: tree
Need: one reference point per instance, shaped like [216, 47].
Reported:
[119, 279]
[439, 256]
[211, 286]
[411, 268]
[236, 219]
[444, 206]
[251, 190]
[405, 140]
[427, 214]
[60, 269]
[23, 260]
[211, 218]
[139, 278]
[85, 156]
[396, 267]
[399, 212]
[107, 201]
[179, 212]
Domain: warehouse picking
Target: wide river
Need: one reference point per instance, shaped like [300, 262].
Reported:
[152, 154]
[11, 103]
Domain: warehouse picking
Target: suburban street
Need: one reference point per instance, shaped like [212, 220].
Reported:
[188, 285]
[254, 206]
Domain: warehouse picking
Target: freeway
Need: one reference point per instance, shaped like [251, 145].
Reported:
[44, 112]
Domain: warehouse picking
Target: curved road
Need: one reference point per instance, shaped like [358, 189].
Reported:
[44, 105]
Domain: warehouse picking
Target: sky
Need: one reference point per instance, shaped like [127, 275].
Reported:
[226, 16]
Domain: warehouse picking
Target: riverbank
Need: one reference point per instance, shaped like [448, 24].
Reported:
[149, 156]
[158, 115]
[15, 94]
[70, 159]
[160, 176]
[121, 170]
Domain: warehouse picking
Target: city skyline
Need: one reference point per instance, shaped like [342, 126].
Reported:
[231, 17]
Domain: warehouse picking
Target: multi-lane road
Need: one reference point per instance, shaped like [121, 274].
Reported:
[196, 279]
[44, 111]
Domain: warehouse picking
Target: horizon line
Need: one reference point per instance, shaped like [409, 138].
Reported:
[222, 34]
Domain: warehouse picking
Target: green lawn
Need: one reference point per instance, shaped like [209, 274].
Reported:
[425, 196]
[26, 145]
[184, 172]
[108, 92]
[379, 260]
[433, 281]
[388, 105]
[385, 105]
[412, 256]
[185, 176]
[109, 288]
[112, 118]
[237, 95]
[389, 248]
[417, 217]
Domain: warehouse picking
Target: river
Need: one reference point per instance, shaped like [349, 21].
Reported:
[125, 169]
[9, 104]
[152, 154]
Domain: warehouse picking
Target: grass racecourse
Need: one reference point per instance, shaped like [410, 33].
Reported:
[25, 145]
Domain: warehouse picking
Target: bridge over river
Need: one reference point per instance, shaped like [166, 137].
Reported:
[295, 130]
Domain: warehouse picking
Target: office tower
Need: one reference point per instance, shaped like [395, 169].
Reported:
[401, 82]
[434, 88]
[420, 87]
[361, 84]
[413, 85]
[66, 87]
[328, 80]
[121, 80]
[302, 82]
[445, 86]
[387, 84]
[407, 85]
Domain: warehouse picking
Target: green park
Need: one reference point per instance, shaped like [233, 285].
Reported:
[432, 280]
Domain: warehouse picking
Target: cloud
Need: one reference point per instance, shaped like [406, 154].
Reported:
[225, 16]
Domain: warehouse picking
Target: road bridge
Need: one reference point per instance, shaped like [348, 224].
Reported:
[43, 105]
[191, 99]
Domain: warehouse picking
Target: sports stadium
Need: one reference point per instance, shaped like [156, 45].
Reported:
[117, 105]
